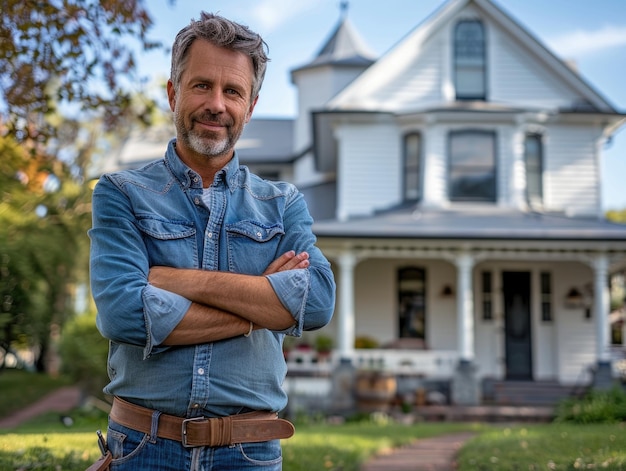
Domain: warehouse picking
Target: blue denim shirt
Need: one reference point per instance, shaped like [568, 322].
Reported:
[156, 216]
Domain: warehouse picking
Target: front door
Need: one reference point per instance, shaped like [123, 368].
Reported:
[517, 325]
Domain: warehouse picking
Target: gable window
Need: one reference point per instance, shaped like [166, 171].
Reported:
[412, 303]
[469, 60]
[472, 166]
[533, 161]
[412, 167]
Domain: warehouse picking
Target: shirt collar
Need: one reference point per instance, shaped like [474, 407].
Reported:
[188, 178]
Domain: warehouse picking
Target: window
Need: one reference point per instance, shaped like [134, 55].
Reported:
[472, 166]
[469, 60]
[412, 303]
[546, 297]
[533, 160]
[412, 167]
[487, 293]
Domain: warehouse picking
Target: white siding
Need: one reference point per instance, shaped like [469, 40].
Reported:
[575, 335]
[571, 173]
[407, 78]
[368, 169]
[518, 79]
[376, 299]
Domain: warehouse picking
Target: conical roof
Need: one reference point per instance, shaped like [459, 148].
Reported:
[344, 47]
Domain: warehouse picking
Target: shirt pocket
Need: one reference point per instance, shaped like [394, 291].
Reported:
[252, 246]
[170, 243]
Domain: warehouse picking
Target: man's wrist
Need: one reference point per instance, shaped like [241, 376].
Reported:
[250, 329]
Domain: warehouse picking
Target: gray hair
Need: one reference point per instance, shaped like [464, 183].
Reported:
[221, 32]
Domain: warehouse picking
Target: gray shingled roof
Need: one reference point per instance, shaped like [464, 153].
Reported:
[472, 223]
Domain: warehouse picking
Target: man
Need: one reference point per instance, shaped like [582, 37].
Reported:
[199, 269]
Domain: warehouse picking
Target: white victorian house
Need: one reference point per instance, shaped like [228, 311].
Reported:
[455, 183]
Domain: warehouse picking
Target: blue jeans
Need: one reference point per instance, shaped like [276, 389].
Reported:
[137, 451]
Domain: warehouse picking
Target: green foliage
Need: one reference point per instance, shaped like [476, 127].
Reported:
[43, 247]
[84, 354]
[596, 407]
[546, 447]
[71, 52]
[616, 216]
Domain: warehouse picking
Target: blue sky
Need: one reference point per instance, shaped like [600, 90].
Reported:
[591, 33]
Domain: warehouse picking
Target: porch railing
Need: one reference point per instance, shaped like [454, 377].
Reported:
[426, 363]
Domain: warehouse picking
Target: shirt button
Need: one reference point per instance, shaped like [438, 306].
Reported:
[259, 235]
[210, 235]
[200, 371]
[195, 179]
[195, 406]
[196, 200]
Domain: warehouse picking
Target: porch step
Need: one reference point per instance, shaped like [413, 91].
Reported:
[489, 413]
[528, 393]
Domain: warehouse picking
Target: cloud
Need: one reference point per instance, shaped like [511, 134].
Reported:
[271, 14]
[580, 43]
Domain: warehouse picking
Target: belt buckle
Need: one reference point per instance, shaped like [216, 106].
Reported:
[184, 430]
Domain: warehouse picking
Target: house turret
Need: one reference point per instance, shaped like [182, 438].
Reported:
[342, 58]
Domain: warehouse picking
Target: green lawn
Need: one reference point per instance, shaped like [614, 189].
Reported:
[47, 444]
[547, 447]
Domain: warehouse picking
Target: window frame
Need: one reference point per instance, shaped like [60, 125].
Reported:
[491, 198]
[418, 168]
[405, 327]
[459, 67]
[534, 199]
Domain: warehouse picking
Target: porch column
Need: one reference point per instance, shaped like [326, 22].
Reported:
[601, 300]
[465, 387]
[465, 307]
[347, 262]
[601, 306]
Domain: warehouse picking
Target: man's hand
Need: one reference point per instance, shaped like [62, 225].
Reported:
[165, 277]
[288, 261]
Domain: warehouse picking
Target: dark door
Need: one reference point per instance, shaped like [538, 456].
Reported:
[517, 326]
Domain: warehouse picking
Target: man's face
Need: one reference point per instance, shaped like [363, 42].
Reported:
[213, 102]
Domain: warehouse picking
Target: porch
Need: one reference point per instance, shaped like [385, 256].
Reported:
[415, 382]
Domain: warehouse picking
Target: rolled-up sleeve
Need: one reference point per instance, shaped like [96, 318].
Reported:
[309, 294]
[130, 311]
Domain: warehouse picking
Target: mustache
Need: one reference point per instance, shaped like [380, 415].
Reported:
[212, 118]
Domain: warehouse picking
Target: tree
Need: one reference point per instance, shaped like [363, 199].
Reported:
[61, 62]
[616, 215]
[68, 52]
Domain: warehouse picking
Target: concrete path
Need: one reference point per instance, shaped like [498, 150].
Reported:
[428, 454]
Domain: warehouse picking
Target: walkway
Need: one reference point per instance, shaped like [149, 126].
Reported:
[61, 400]
[428, 454]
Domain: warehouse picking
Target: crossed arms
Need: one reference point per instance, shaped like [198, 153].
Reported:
[223, 303]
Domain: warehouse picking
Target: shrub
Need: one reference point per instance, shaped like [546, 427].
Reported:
[84, 354]
[606, 406]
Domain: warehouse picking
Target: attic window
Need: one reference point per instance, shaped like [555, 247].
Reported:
[469, 60]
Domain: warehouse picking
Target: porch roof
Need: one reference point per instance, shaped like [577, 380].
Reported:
[464, 222]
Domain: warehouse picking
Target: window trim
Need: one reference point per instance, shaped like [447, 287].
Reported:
[533, 200]
[419, 184]
[460, 132]
[404, 292]
[455, 62]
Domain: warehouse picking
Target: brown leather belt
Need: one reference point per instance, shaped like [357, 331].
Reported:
[202, 431]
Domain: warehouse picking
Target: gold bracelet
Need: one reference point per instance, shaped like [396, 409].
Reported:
[250, 331]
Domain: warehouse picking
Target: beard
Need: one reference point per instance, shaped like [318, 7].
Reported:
[207, 143]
